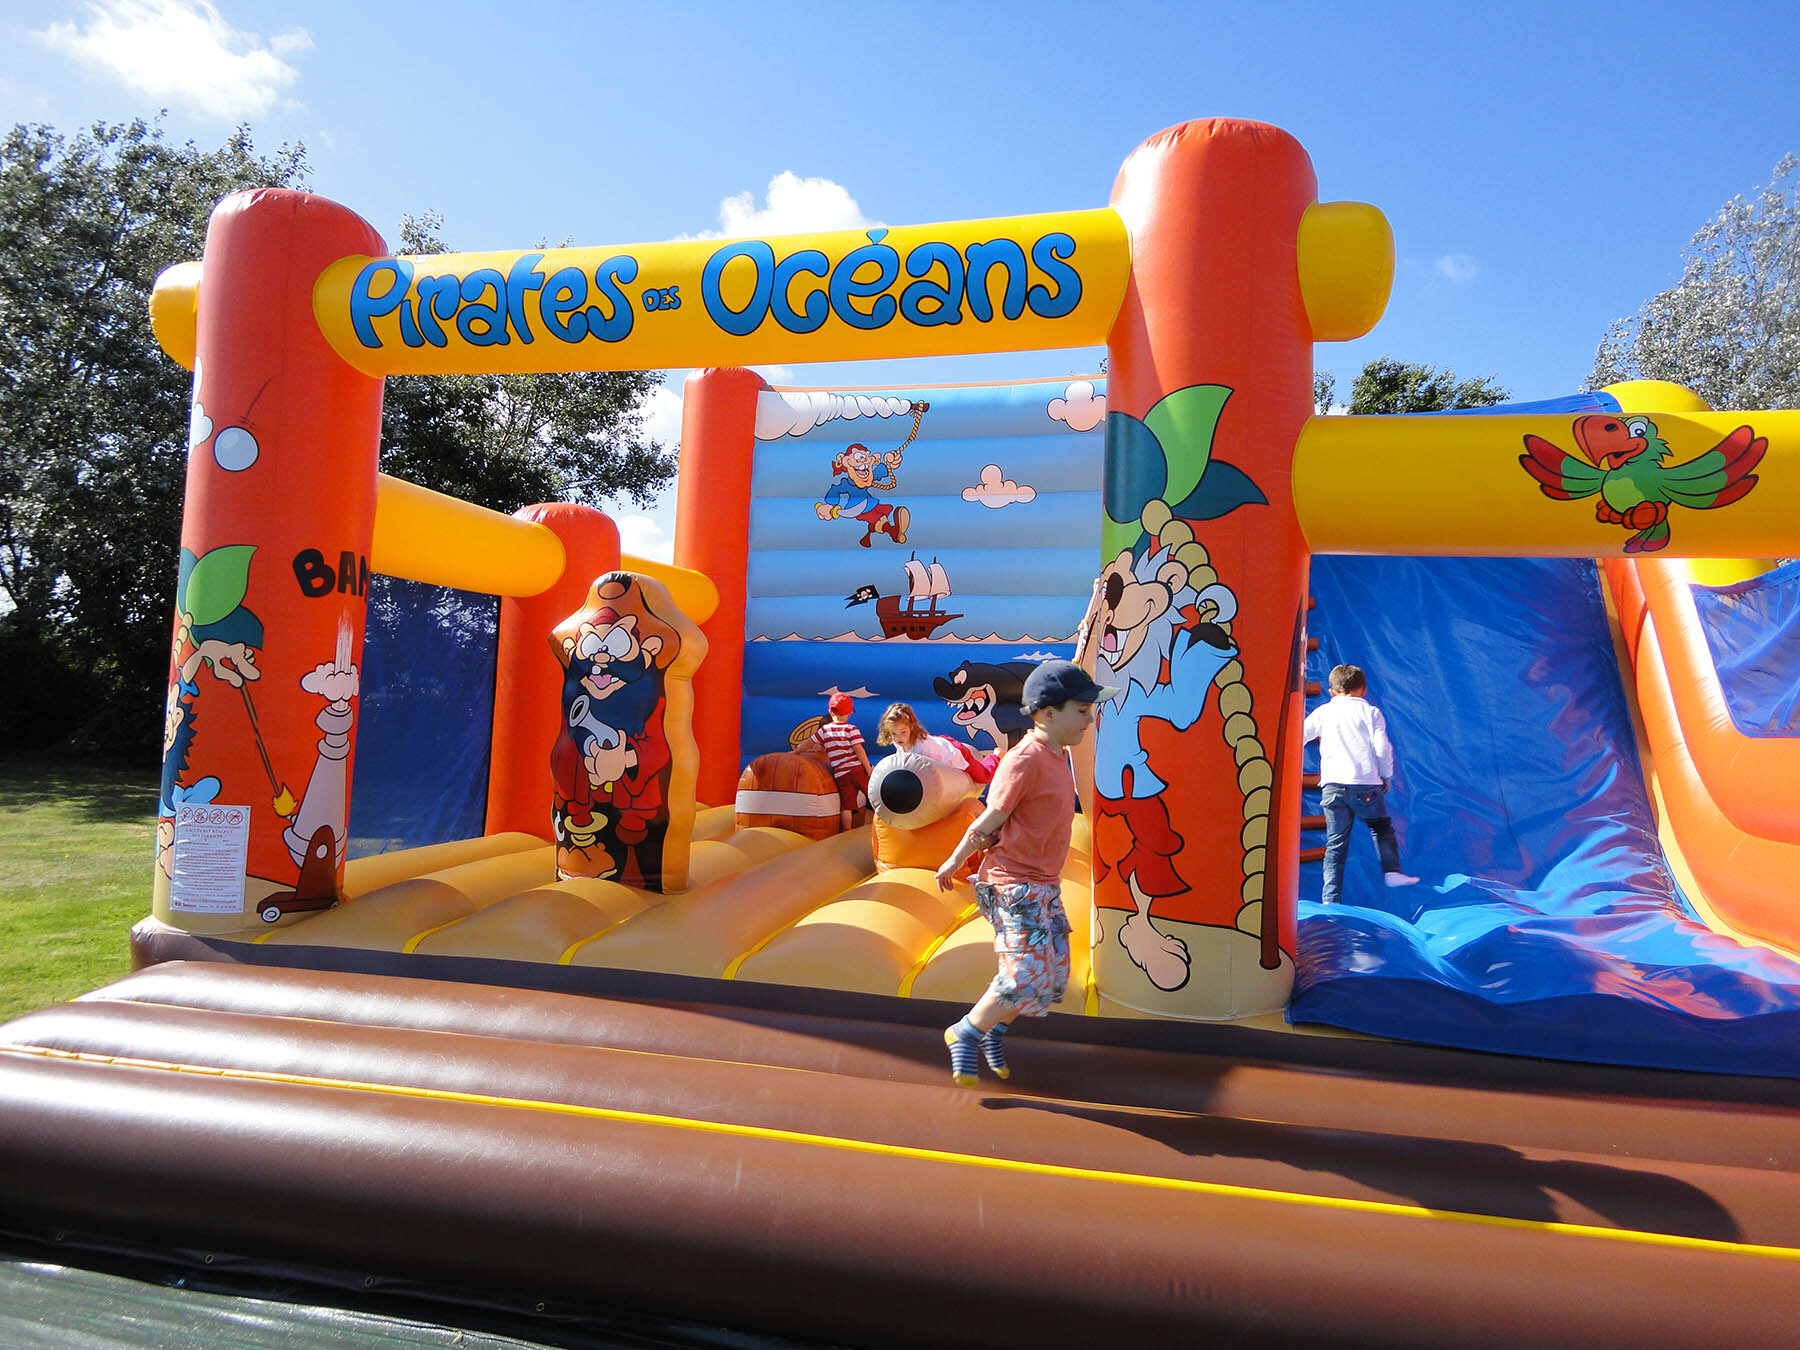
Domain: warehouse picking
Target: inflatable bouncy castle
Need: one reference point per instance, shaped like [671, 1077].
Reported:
[581, 997]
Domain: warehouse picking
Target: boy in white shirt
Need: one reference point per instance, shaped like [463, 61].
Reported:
[1356, 760]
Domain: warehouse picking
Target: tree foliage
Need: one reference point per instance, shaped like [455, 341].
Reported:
[1730, 328]
[1387, 386]
[1324, 391]
[506, 440]
[95, 421]
[95, 416]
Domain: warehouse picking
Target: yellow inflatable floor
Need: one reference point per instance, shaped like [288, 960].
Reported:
[766, 905]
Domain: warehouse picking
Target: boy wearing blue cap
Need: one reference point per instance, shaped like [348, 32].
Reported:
[1025, 832]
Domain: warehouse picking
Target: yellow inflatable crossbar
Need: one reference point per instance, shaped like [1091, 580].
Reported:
[1345, 254]
[694, 593]
[175, 311]
[1013, 283]
[1455, 486]
[444, 541]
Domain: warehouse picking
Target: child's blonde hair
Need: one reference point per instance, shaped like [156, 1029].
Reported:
[884, 731]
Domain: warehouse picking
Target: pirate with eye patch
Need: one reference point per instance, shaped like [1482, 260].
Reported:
[614, 752]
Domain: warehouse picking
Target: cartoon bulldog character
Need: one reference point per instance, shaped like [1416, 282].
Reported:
[852, 494]
[985, 701]
[1157, 637]
[612, 758]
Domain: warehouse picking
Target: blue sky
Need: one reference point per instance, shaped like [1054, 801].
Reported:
[1543, 165]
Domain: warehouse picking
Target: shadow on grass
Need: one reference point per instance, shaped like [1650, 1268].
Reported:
[101, 794]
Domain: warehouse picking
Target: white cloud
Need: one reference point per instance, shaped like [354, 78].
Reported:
[996, 490]
[791, 205]
[662, 416]
[645, 537]
[200, 426]
[183, 52]
[1457, 268]
[1080, 407]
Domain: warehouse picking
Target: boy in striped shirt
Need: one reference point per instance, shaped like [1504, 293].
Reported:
[844, 753]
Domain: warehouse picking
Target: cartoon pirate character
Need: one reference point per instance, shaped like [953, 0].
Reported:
[215, 633]
[588, 758]
[852, 493]
[1157, 638]
[316, 837]
[611, 761]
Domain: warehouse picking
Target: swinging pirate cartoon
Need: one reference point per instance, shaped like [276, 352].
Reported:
[854, 485]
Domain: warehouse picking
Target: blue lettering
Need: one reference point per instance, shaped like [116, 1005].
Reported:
[609, 276]
[814, 310]
[522, 277]
[409, 326]
[946, 300]
[438, 298]
[983, 258]
[563, 295]
[739, 322]
[366, 305]
[1050, 254]
[475, 286]
[845, 287]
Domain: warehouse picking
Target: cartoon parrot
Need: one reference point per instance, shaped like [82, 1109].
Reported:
[1625, 466]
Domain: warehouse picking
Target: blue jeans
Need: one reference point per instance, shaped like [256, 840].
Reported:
[1344, 805]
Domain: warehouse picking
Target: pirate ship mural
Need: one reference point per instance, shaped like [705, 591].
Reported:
[901, 616]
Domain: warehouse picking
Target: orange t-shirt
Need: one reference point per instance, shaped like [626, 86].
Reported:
[1036, 789]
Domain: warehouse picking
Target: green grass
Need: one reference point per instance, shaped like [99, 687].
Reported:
[75, 859]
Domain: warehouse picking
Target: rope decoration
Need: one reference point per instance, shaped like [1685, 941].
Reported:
[1256, 775]
[918, 413]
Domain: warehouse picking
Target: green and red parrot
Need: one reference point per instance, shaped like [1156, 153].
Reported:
[1625, 465]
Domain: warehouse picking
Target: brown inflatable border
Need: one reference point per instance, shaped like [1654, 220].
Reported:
[818, 1177]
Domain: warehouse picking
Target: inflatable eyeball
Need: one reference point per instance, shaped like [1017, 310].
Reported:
[235, 449]
[908, 791]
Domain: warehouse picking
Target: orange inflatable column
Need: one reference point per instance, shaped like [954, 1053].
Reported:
[712, 535]
[528, 678]
[1204, 576]
[259, 734]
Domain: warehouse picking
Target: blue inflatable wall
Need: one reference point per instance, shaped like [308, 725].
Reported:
[1000, 490]
[1753, 631]
[426, 716]
[1547, 921]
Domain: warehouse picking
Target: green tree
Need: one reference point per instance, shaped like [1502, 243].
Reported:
[1324, 391]
[95, 416]
[504, 441]
[1387, 386]
[1730, 328]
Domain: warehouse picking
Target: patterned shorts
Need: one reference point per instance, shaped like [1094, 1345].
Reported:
[1031, 940]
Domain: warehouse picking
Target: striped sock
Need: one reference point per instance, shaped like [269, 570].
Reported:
[993, 1050]
[964, 1042]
